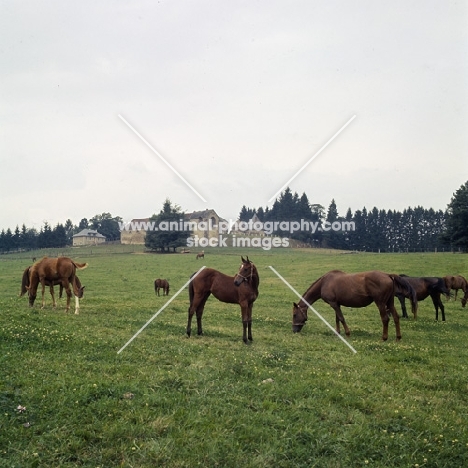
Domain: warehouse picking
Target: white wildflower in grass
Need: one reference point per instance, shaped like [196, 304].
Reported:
[21, 409]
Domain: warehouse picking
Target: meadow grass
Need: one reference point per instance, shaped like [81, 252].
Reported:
[286, 400]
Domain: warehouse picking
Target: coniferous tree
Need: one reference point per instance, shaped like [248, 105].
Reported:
[166, 240]
[456, 233]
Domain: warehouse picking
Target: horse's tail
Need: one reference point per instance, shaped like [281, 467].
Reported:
[440, 287]
[25, 282]
[401, 285]
[190, 289]
[80, 266]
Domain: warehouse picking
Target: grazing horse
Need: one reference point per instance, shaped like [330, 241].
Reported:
[161, 284]
[200, 255]
[240, 289]
[424, 287]
[25, 285]
[457, 282]
[338, 288]
[61, 270]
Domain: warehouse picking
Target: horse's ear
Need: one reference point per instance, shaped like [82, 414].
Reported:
[242, 258]
[295, 305]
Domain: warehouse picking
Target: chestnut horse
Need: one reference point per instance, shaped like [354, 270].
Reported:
[424, 287]
[240, 289]
[161, 284]
[457, 282]
[59, 270]
[338, 289]
[200, 255]
[25, 285]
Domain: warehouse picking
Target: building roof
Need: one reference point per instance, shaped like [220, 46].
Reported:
[89, 233]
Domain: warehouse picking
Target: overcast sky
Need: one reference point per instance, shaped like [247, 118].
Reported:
[236, 96]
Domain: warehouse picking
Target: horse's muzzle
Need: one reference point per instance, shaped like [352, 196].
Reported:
[297, 328]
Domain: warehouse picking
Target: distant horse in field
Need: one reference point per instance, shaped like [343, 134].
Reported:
[240, 289]
[424, 287]
[61, 270]
[457, 282]
[338, 288]
[200, 255]
[161, 284]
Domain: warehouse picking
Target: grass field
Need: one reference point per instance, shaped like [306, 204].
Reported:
[68, 399]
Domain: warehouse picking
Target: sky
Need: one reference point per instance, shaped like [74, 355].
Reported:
[115, 106]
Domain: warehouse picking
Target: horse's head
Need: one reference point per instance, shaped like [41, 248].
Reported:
[299, 315]
[245, 272]
[80, 292]
[464, 299]
[32, 295]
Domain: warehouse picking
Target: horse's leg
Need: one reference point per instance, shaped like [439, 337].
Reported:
[438, 303]
[43, 292]
[403, 305]
[385, 311]
[51, 289]
[199, 311]
[77, 305]
[339, 317]
[188, 330]
[66, 286]
[196, 306]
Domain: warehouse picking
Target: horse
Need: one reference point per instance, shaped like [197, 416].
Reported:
[61, 270]
[240, 289]
[457, 282]
[161, 284]
[338, 288]
[200, 255]
[25, 284]
[424, 287]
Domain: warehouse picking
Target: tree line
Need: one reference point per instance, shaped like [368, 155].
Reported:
[61, 235]
[413, 229]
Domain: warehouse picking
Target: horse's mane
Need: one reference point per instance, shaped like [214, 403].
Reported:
[255, 277]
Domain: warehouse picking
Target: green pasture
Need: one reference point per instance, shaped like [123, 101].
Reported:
[68, 399]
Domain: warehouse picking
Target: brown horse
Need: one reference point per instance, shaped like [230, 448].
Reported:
[161, 284]
[61, 270]
[457, 282]
[25, 284]
[240, 289]
[338, 289]
[424, 287]
[200, 255]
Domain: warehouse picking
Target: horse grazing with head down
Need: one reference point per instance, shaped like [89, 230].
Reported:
[161, 284]
[457, 282]
[338, 289]
[424, 287]
[25, 285]
[200, 255]
[61, 270]
[241, 289]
